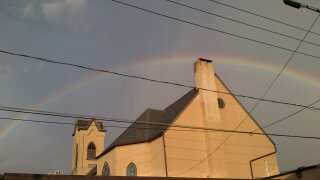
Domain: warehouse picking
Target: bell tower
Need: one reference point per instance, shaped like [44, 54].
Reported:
[88, 143]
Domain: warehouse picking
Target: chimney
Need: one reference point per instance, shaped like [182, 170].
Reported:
[205, 82]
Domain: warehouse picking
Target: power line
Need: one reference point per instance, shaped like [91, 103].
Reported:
[240, 22]
[282, 69]
[286, 117]
[149, 79]
[189, 128]
[205, 27]
[258, 102]
[285, 65]
[100, 70]
[317, 58]
[269, 87]
[60, 114]
[73, 124]
[264, 17]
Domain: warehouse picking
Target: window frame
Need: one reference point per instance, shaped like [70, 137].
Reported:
[106, 168]
[132, 169]
[91, 150]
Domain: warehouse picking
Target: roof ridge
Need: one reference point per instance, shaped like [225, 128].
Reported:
[85, 124]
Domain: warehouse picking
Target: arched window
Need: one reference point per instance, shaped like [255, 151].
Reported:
[106, 169]
[76, 163]
[91, 153]
[132, 170]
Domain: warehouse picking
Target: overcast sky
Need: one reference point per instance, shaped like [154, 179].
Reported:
[107, 35]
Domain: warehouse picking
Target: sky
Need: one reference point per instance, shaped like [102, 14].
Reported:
[107, 35]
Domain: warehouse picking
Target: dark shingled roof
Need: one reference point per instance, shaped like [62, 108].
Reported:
[139, 132]
[85, 124]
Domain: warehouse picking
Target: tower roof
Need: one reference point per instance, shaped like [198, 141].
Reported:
[85, 124]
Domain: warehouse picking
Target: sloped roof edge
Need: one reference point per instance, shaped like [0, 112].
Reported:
[166, 116]
[85, 124]
[234, 97]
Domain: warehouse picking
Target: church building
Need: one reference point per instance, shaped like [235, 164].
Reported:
[181, 140]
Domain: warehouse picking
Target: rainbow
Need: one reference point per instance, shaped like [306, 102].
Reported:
[220, 60]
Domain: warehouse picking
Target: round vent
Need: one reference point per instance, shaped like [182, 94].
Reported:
[221, 103]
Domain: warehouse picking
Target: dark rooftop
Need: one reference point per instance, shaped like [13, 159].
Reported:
[157, 122]
[85, 124]
[206, 60]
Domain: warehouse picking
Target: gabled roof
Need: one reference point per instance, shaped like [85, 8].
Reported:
[244, 109]
[85, 124]
[147, 126]
[151, 123]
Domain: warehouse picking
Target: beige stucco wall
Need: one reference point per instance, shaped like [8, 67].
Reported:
[120, 157]
[110, 158]
[139, 154]
[241, 148]
[267, 166]
[148, 158]
[186, 148]
[157, 158]
[83, 138]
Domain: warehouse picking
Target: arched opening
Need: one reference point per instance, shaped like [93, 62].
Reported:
[132, 170]
[91, 151]
[106, 169]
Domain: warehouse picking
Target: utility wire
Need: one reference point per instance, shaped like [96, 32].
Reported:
[258, 102]
[317, 58]
[100, 70]
[240, 22]
[269, 87]
[286, 117]
[87, 117]
[153, 80]
[301, 40]
[107, 126]
[221, 130]
[149, 79]
[264, 17]
[205, 27]
[59, 114]
[189, 128]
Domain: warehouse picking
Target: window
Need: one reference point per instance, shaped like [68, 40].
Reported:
[76, 163]
[91, 153]
[132, 170]
[106, 169]
[221, 103]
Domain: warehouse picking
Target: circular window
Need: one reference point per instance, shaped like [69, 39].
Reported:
[221, 103]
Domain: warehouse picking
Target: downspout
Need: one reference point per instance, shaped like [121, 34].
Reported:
[82, 159]
[275, 151]
[165, 154]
